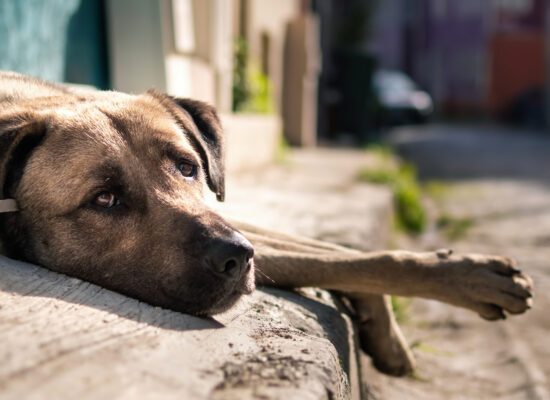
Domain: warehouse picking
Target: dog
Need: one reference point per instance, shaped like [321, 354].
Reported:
[109, 187]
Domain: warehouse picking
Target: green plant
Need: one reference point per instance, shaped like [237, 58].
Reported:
[260, 100]
[383, 151]
[437, 190]
[241, 90]
[282, 151]
[407, 195]
[454, 227]
[400, 306]
[430, 349]
[252, 91]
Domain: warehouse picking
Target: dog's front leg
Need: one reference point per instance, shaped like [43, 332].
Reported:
[488, 285]
[484, 284]
[378, 331]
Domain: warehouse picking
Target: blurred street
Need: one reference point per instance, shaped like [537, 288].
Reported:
[475, 152]
[494, 187]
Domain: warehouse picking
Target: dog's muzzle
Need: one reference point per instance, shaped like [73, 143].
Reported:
[230, 257]
[8, 205]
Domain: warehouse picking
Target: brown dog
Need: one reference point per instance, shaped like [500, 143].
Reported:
[110, 189]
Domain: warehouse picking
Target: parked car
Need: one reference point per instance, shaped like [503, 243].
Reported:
[400, 99]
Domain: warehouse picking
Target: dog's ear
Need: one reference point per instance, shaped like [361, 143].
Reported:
[20, 135]
[208, 140]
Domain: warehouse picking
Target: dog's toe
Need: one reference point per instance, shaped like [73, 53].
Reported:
[490, 312]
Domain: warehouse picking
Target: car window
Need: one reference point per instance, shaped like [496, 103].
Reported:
[386, 81]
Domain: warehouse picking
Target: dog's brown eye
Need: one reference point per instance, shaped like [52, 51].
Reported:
[187, 169]
[106, 200]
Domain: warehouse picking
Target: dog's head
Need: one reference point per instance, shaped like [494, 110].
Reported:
[110, 189]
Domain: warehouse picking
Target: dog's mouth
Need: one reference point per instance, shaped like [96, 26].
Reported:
[245, 286]
[209, 301]
[248, 283]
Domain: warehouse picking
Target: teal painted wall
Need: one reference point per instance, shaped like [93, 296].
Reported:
[86, 52]
[56, 40]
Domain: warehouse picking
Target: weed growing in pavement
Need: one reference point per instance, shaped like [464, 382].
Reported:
[454, 227]
[400, 306]
[438, 190]
[384, 152]
[431, 350]
[407, 194]
[282, 151]
[252, 89]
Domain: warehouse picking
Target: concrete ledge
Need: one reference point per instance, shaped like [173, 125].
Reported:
[252, 140]
[64, 338]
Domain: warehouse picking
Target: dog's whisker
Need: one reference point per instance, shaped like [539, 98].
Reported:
[263, 273]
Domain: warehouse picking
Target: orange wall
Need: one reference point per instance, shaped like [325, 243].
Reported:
[517, 64]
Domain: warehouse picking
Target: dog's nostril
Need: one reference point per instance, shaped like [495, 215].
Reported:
[230, 266]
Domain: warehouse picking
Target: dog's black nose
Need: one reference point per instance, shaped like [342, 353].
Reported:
[230, 256]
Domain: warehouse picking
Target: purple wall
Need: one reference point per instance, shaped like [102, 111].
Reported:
[450, 49]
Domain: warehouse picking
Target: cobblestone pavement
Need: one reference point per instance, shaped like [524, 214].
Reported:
[494, 188]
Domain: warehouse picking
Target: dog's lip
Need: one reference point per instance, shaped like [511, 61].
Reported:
[245, 289]
[244, 286]
[247, 285]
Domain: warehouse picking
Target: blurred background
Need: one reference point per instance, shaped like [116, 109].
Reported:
[324, 70]
[450, 98]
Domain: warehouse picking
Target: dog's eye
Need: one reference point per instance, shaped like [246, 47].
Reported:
[106, 200]
[187, 169]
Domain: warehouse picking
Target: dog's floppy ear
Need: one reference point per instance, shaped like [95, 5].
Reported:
[208, 140]
[20, 135]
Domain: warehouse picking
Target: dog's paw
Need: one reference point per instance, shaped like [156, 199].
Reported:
[489, 285]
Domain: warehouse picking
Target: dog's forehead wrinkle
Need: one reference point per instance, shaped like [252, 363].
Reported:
[87, 131]
[179, 115]
[144, 131]
[176, 198]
